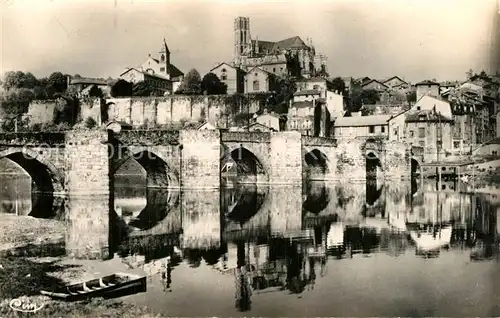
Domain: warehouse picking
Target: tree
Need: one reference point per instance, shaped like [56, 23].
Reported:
[293, 64]
[285, 88]
[121, 88]
[191, 84]
[212, 85]
[370, 97]
[56, 83]
[143, 88]
[411, 97]
[95, 91]
[338, 84]
[16, 102]
[67, 110]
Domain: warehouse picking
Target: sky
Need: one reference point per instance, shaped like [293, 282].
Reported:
[414, 39]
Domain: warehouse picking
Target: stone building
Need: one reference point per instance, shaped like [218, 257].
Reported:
[361, 126]
[159, 72]
[431, 131]
[233, 77]
[270, 120]
[394, 82]
[301, 117]
[258, 80]
[270, 55]
[427, 88]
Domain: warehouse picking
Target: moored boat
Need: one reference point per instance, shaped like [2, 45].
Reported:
[98, 287]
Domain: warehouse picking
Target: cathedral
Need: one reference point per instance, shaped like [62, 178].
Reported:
[271, 56]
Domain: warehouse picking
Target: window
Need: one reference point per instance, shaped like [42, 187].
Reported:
[371, 129]
[274, 69]
[395, 131]
[223, 77]
[162, 69]
[456, 144]
[281, 69]
[223, 70]
[494, 153]
[255, 85]
[418, 107]
[382, 129]
[421, 143]
[411, 133]
[162, 58]
[316, 87]
[439, 132]
[421, 132]
[256, 74]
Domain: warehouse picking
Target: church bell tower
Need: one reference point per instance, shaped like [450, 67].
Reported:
[242, 39]
[164, 58]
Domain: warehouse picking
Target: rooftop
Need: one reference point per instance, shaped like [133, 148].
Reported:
[306, 92]
[427, 82]
[426, 116]
[302, 104]
[360, 121]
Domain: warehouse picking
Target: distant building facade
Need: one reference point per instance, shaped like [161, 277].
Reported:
[159, 72]
[362, 126]
[258, 80]
[233, 77]
[427, 88]
[271, 56]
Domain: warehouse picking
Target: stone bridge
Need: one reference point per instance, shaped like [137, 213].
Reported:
[83, 163]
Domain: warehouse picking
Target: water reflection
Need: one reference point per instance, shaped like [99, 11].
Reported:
[257, 240]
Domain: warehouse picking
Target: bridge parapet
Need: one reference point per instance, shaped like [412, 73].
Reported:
[33, 138]
[149, 137]
[318, 141]
[239, 136]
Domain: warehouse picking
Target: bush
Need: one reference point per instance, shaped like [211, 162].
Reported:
[90, 123]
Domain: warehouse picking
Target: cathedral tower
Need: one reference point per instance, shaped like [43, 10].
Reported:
[242, 39]
[164, 58]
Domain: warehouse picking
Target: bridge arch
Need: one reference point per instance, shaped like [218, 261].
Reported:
[158, 173]
[241, 162]
[317, 162]
[45, 177]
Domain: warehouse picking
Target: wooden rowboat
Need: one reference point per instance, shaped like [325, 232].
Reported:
[99, 287]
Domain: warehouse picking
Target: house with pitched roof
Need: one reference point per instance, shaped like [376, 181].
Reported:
[375, 85]
[233, 77]
[361, 126]
[271, 55]
[159, 72]
[258, 80]
[394, 81]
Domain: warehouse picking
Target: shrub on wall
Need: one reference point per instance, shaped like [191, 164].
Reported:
[90, 123]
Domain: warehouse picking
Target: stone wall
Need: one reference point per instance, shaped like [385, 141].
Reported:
[87, 162]
[200, 159]
[165, 110]
[351, 161]
[41, 111]
[91, 108]
[396, 161]
[90, 197]
[285, 155]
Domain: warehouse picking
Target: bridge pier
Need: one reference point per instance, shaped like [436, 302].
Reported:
[90, 194]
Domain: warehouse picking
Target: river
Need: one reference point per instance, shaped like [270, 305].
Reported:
[398, 249]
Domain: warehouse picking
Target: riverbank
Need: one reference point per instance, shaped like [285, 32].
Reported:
[23, 278]
[32, 258]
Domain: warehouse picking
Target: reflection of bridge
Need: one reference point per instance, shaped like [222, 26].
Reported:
[83, 163]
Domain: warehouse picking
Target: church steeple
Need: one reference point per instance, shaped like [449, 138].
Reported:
[165, 59]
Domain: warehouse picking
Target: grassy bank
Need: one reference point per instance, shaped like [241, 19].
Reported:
[24, 277]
